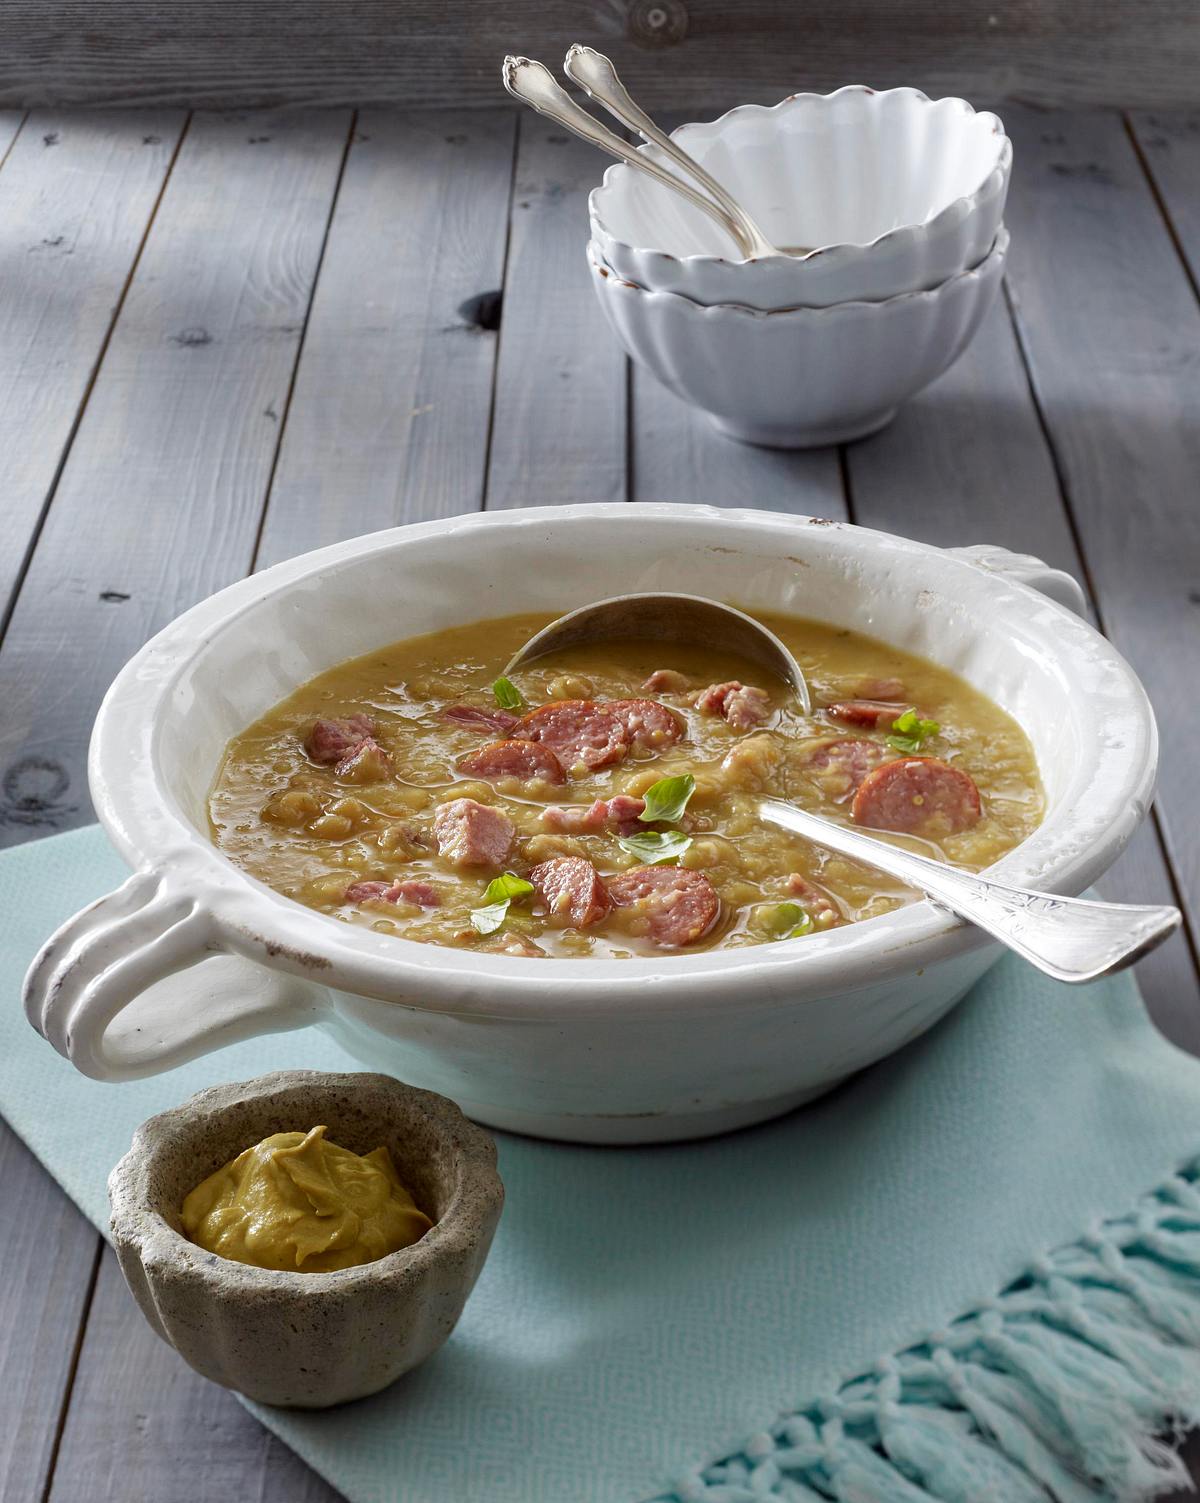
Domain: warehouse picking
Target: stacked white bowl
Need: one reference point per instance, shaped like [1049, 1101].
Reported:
[889, 206]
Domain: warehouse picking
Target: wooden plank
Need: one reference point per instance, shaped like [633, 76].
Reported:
[415, 52]
[559, 427]
[1110, 327]
[388, 421]
[47, 1252]
[76, 194]
[160, 500]
[1170, 148]
[967, 462]
[144, 1428]
[676, 455]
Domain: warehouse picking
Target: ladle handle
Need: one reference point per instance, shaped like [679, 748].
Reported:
[595, 73]
[536, 86]
[1071, 939]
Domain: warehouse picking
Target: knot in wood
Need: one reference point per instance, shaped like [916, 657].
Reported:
[657, 23]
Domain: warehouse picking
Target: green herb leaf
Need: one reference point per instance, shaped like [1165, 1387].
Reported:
[508, 885]
[656, 846]
[790, 921]
[499, 894]
[508, 696]
[488, 920]
[667, 799]
[910, 731]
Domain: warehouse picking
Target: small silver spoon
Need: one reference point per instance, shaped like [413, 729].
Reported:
[535, 85]
[1071, 939]
[595, 74]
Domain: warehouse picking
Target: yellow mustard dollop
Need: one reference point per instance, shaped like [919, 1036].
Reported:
[296, 1201]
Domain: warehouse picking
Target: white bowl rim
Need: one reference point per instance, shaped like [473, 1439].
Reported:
[141, 815]
[845, 250]
[994, 259]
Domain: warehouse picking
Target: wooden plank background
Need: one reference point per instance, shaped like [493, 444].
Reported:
[278, 329]
[229, 53]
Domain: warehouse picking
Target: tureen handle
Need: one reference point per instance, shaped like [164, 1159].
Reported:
[81, 990]
[1063, 588]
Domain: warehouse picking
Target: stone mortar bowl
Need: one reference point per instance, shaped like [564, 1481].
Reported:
[306, 1340]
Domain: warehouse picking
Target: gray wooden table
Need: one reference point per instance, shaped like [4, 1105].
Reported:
[228, 339]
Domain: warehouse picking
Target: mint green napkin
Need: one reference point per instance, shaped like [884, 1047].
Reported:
[764, 1316]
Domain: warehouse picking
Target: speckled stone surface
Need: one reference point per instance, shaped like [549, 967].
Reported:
[306, 1340]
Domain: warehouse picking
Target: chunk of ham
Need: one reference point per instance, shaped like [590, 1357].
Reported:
[665, 681]
[742, 705]
[472, 834]
[332, 741]
[420, 894]
[571, 890]
[619, 813]
[367, 763]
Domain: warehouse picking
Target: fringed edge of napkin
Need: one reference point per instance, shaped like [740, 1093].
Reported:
[1061, 1388]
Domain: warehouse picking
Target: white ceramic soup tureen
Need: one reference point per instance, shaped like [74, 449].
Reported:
[191, 954]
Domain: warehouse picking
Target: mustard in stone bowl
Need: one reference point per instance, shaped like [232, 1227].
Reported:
[306, 1237]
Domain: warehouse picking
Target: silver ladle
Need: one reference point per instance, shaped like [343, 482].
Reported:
[1071, 939]
[535, 85]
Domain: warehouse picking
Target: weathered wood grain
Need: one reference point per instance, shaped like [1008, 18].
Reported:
[389, 417]
[1170, 148]
[967, 462]
[677, 455]
[47, 1252]
[144, 1428]
[223, 52]
[160, 498]
[559, 425]
[1110, 327]
[76, 194]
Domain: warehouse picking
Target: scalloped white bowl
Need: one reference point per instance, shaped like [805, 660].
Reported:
[889, 191]
[799, 377]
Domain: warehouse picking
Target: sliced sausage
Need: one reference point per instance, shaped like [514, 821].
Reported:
[647, 723]
[742, 705]
[367, 763]
[666, 681]
[471, 834]
[334, 740]
[680, 905]
[421, 894]
[477, 718]
[620, 812]
[578, 731]
[515, 758]
[840, 766]
[571, 886]
[917, 796]
[865, 712]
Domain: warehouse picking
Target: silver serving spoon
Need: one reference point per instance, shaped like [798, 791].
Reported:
[666, 617]
[535, 85]
[595, 74]
[1071, 939]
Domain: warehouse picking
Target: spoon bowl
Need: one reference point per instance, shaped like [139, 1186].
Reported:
[662, 616]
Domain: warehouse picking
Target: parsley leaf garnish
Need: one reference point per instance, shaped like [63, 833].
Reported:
[508, 696]
[655, 846]
[667, 799]
[910, 731]
[790, 921]
[500, 893]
